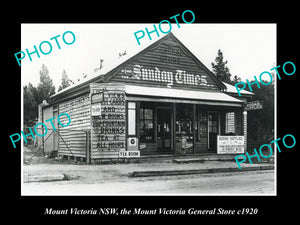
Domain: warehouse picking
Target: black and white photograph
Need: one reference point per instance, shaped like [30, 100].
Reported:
[176, 108]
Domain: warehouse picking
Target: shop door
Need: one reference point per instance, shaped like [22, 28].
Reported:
[213, 129]
[164, 130]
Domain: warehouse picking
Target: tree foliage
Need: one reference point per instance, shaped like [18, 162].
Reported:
[261, 122]
[220, 69]
[33, 96]
[65, 81]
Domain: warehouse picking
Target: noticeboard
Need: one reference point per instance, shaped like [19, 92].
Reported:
[231, 144]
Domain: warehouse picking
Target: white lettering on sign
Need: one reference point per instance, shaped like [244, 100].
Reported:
[255, 105]
[129, 154]
[230, 144]
[96, 109]
[179, 76]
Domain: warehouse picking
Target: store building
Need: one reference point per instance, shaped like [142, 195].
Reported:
[147, 105]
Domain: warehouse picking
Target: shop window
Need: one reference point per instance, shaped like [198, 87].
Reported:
[213, 122]
[202, 118]
[146, 124]
[131, 118]
[229, 123]
[184, 123]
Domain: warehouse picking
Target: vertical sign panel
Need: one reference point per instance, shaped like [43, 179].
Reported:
[108, 120]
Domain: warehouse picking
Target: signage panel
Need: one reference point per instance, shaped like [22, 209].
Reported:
[129, 154]
[254, 105]
[230, 144]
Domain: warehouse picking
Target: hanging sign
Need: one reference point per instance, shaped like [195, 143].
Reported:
[254, 105]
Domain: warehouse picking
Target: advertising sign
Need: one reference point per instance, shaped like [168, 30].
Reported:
[96, 109]
[254, 105]
[230, 144]
[129, 154]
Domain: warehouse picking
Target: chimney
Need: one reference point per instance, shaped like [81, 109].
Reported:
[101, 64]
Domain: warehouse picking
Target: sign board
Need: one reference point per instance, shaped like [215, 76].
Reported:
[254, 105]
[129, 154]
[230, 144]
[96, 109]
[168, 77]
[97, 97]
[132, 144]
[108, 111]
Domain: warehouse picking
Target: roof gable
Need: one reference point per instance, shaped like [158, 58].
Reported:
[162, 61]
[167, 62]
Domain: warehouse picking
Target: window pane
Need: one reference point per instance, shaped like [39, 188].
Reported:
[184, 124]
[148, 114]
[146, 124]
[230, 124]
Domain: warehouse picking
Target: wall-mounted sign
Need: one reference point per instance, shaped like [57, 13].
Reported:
[254, 105]
[230, 144]
[139, 72]
[129, 154]
[132, 144]
[108, 118]
[96, 109]
[97, 97]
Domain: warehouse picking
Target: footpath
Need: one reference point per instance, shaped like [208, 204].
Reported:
[140, 167]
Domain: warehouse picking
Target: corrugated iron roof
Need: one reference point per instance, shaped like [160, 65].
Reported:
[179, 93]
[231, 89]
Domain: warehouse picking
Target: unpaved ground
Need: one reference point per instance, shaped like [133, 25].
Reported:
[114, 179]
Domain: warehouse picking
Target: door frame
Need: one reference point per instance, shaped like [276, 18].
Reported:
[168, 107]
[219, 125]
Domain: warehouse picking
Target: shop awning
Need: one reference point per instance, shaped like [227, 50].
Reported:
[143, 93]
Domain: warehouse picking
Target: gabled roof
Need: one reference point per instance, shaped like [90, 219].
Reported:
[107, 74]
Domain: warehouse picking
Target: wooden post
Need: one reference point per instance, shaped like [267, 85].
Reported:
[245, 128]
[194, 128]
[174, 128]
[88, 156]
[155, 126]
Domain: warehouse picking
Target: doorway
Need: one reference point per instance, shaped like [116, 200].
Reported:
[164, 130]
[213, 130]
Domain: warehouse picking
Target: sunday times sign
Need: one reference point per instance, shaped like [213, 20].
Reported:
[230, 144]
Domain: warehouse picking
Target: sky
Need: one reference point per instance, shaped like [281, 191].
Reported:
[249, 49]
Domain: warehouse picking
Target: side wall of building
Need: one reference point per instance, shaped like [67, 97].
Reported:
[72, 141]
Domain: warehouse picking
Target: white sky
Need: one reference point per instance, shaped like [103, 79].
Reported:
[249, 48]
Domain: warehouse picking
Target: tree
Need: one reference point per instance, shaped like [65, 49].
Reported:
[65, 81]
[30, 105]
[45, 88]
[236, 79]
[33, 96]
[261, 122]
[220, 69]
